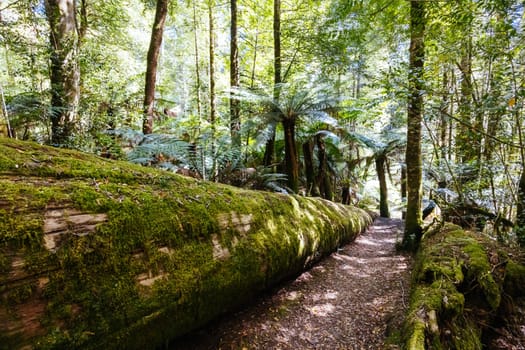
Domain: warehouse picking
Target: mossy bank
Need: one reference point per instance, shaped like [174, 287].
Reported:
[465, 288]
[102, 254]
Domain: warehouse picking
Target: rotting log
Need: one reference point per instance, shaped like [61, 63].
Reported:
[464, 287]
[96, 253]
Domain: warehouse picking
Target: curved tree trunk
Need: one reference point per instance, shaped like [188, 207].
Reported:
[65, 73]
[102, 254]
[413, 220]
[152, 63]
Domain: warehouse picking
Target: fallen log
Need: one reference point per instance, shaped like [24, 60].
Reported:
[464, 288]
[96, 253]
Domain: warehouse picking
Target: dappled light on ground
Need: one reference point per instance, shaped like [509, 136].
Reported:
[350, 300]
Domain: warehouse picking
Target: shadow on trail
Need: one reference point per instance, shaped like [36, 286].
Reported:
[350, 300]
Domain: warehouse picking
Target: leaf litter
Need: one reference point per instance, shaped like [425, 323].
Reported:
[353, 299]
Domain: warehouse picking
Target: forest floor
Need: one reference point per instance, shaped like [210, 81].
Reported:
[352, 299]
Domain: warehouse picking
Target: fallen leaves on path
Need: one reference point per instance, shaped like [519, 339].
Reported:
[350, 300]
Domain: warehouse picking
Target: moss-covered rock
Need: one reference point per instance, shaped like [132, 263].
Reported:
[458, 283]
[103, 254]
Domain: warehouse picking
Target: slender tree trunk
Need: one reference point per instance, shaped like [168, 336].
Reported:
[65, 74]
[290, 152]
[197, 71]
[443, 124]
[235, 122]
[152, 64]
[213, 112]
[323, 179]
[270, 144]
[413, 220]
[520, 210]
[520, 213]
[277, 41]
[311, 188]
[467, 139]
[254, 63]
[5, 113]
[403, 189]
[82, 30]
[383, 190]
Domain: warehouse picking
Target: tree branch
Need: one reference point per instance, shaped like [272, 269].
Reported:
[481, 132]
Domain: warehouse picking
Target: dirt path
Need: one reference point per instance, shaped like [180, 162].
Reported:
[350, 300]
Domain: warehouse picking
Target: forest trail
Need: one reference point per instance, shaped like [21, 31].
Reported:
[350, 300]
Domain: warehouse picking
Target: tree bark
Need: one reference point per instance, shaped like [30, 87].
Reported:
[323, 178]
[152, 63]
[290, 153]
[443, 121]
[383, 190]
[235, 122]
[65, 73]
[270, 143]
[197, 70]
[213, 112]
[413, 220]
[520, 214]
[311, 188]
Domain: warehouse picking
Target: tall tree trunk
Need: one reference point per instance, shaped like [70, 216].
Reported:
[311, 188]
[197, 71]
[468, 140]
[214, 171]
[235, 122]
[323, 179]
[270, 144]
[290, 154]
[82, 30]
[403, 189]
[152, 62]
[65, 74]
[383, 190]
[443, 122]
[413, 220]
[520, 214]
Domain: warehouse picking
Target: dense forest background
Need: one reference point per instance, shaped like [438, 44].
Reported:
[300, 96]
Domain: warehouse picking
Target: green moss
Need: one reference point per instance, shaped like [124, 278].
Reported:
[479, 270]
[452, 277]
[514, 282]
[172, 254]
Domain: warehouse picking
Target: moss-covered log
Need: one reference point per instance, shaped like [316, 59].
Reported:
[462, 284]
[102, 254]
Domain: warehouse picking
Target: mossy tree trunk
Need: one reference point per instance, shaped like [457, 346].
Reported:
[65, 71]
[413, 220]
[96, 253]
